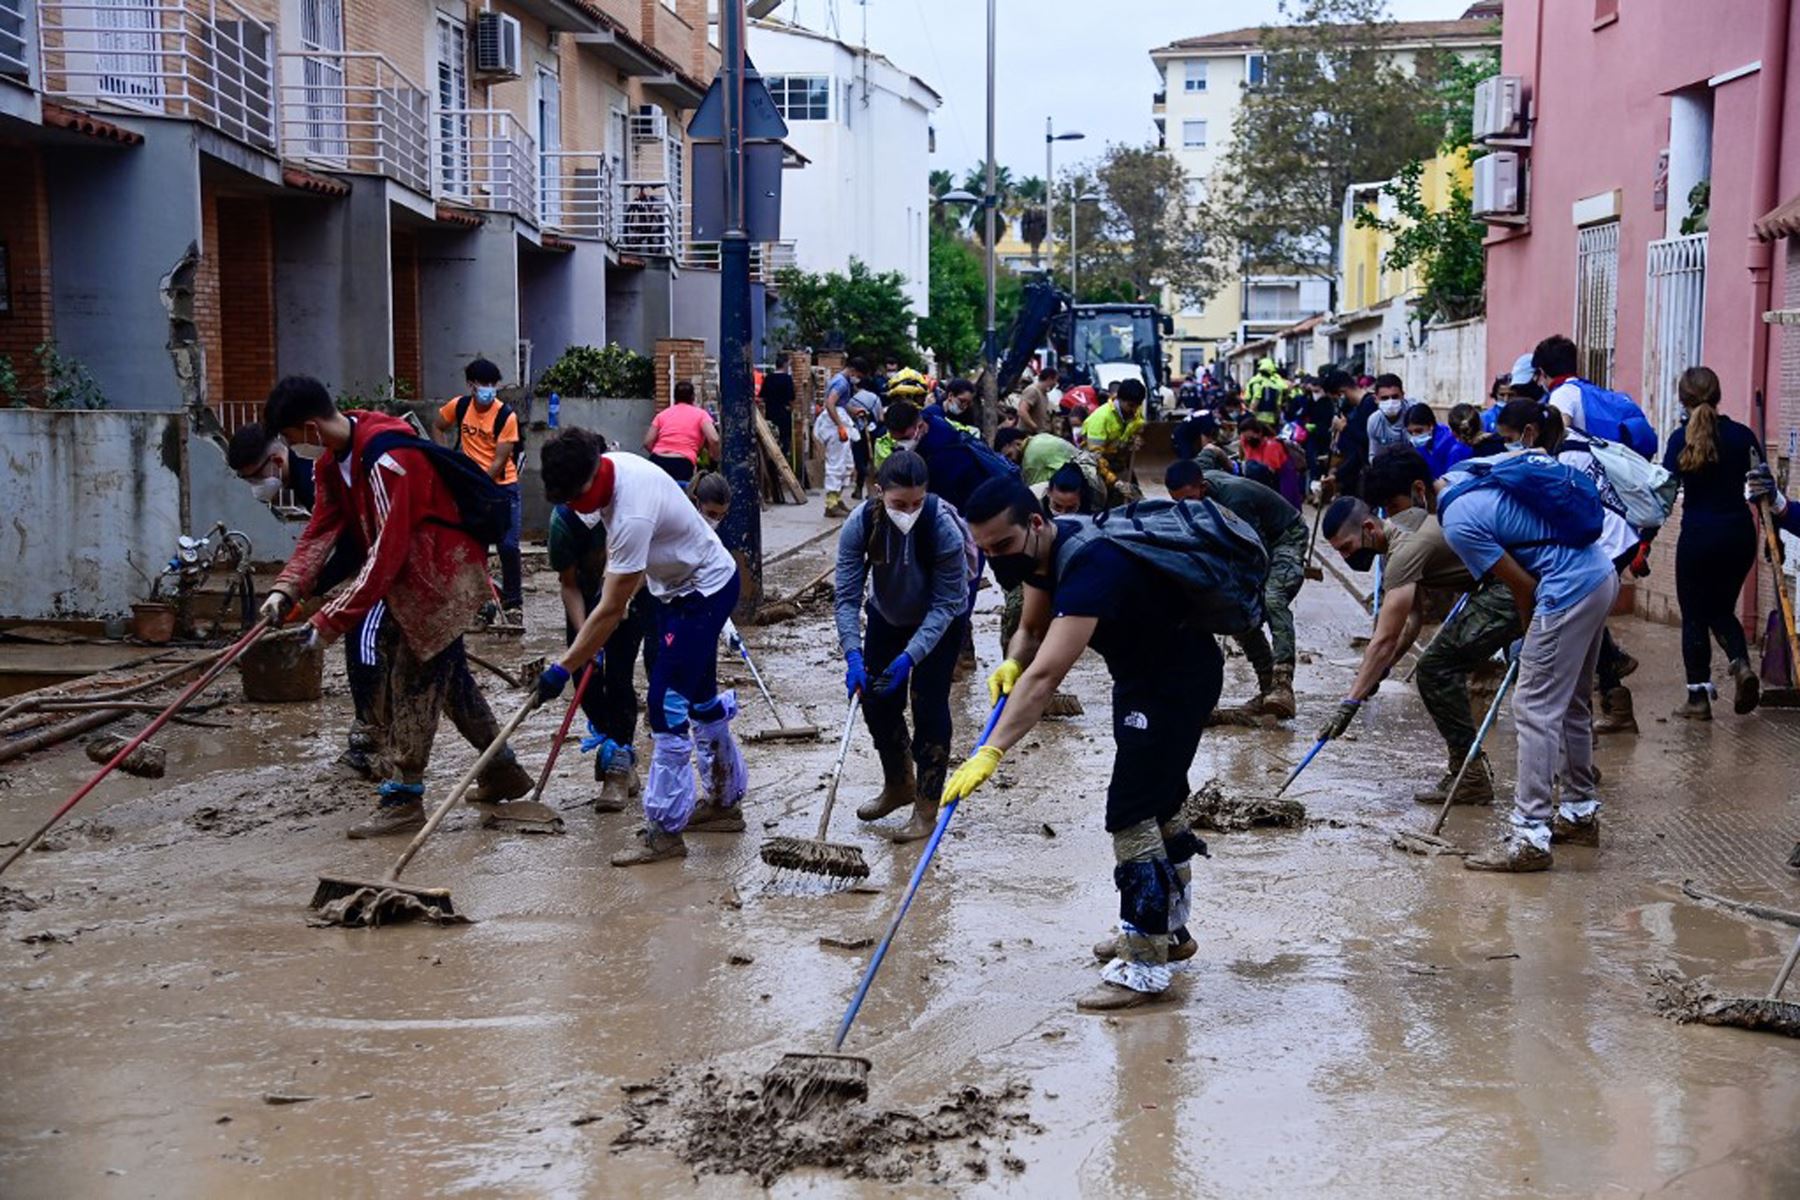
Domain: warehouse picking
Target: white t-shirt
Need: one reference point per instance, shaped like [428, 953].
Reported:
[1566, 400]
[652, 527]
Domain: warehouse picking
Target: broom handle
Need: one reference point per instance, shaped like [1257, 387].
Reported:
[837, 768]
[1787, 969]
[737, 640]
[1781, 595]
[912, 888]
[1318, 517]
[462, 785]
[193, 689]
[1454, 613]
[1487, 723]
[1295, 773]
[562, 731]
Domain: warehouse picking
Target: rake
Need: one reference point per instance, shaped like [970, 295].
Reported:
[839, 864]
[782, 732]
[799, 1082]
[337, 887]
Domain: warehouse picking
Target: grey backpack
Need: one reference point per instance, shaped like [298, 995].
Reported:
[1211, 557]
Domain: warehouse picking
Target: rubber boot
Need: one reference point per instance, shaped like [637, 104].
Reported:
[619, 783]
[1616, 715]
[653, 845]
[899, 786]
[834, 505]
[1697, 708]
[1477, 785]
[933, 765]
[1278, 699]
[401, 810]
[1748, 692]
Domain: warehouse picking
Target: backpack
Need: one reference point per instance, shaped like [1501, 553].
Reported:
[484, 506]
[1645, 490]
[993, 464]
[1210, 555]
[927, 517]
[1559, 495]
[1615, 417]
[505, 411]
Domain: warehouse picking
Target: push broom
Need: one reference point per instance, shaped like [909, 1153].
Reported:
[799, 1082]
[840, 865]
[336, 887]
[782, 730]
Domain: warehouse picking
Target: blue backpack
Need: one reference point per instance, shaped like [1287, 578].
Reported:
[1562, 497]
[1616, 417]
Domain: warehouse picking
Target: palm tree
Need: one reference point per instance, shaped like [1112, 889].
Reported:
[942, 184]
[975, 182]
[1034, 222]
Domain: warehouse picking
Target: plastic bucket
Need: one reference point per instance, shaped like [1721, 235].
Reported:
[279, 671]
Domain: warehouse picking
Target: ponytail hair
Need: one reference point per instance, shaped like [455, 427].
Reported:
[710, 488]
[1699, 391]
[1517, 414]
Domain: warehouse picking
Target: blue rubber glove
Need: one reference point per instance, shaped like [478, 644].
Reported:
[894, 678]
[856, 676]
[551, 683]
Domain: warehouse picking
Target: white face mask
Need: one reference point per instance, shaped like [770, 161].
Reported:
[310, 451]
[904, 521]
[713, 522]
[1391, 408]
[907, 444]
[265, 490]
[590, 519]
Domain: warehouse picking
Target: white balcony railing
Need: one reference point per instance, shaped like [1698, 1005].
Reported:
[355, 112]
[16, 53]
[767, 259]
[487, 160]
[202, 60]
[576, 195]
[647, 220]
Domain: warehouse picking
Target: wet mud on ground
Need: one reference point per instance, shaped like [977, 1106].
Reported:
[1358, 1021]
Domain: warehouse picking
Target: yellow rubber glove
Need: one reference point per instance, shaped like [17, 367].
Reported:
[972, 774]
[1004, 679]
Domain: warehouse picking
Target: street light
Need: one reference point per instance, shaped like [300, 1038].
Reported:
[1075, 202]
[1051, 137]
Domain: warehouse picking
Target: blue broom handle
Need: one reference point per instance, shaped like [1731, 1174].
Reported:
[1295, 773]
[912, 888]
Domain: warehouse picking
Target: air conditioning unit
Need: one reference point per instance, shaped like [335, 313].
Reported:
[1499, 108]
[499, 45]
[1498, 191]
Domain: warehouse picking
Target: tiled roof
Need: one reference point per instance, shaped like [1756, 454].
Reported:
[1397, 31]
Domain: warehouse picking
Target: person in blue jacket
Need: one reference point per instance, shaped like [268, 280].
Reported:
[1440, 448]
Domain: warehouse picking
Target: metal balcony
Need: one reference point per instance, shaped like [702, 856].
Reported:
[355, 112]
[201, 60]
[648, 222]
[17, 52]
[487, 160]
[577, 195]
[767, 259]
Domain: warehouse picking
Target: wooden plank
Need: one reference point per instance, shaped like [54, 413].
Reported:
[772, 451]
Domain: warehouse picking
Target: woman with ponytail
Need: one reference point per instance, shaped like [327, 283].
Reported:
[1712, 453]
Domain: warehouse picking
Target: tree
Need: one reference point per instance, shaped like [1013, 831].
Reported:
[958, 319]
[1334, 109]
[975, 183]
[1144, 237]
[1034, 221]
[942, 184]
[867, 309]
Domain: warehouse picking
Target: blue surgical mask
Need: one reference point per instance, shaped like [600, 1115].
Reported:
[1515, 446]
[1421, 440]
[484, 396]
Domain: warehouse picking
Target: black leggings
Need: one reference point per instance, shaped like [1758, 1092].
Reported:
[1712, 558]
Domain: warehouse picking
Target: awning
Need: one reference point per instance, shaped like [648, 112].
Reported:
[1783, 221]
[562, 16]
[675, 88]
[620, 50]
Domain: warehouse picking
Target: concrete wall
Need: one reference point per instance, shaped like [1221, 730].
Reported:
[120, 217]
[696, 308]
[94, 506]
[622, 422]
[562, 298]
[639, 306]
[468, 302]
[1449, 368]
[334, 288]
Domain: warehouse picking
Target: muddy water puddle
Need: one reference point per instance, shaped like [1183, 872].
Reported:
[1357, 1021]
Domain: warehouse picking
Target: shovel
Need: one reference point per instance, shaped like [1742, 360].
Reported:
[336, 887]
[782, 730]
[1313, 570]
[1789, 696]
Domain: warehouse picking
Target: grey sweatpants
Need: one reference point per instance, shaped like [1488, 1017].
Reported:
[1553, 706]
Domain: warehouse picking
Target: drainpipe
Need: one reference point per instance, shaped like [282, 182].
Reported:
[1765, 182]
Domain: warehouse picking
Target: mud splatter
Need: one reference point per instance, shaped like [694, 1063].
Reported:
[721, 1126]
[16, 900]
[1210, 809]
[1693, 1002]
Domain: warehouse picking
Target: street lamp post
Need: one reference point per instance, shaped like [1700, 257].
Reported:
[1051, 137]
[1075, 203]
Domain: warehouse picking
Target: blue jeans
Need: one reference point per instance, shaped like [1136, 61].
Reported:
[684, 671]
[512, 589]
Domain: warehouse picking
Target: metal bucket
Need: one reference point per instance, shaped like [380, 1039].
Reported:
[279, 671]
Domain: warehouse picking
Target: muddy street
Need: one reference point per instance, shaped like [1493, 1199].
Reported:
[1358, 1020]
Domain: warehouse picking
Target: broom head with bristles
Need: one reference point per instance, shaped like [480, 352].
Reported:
[1063, 704]
[785, 733]
[799, 1083]
[336, 887]
[840, 864]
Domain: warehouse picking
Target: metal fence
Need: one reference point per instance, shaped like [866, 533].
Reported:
[203, 60]
[576, 193]
[1674, 323]
[355, 111]
[488, 161]
[647, 219]
[1597, 300]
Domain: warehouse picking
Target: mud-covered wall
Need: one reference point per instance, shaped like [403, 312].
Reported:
[622, 423]
[92, 506]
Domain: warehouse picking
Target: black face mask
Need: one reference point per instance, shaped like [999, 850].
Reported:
[1361, 559]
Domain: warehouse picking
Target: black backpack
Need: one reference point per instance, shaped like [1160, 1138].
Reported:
[485, 507]
[505, 411]
[1210, 554]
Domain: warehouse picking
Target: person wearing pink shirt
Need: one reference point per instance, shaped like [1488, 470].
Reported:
[675, 437]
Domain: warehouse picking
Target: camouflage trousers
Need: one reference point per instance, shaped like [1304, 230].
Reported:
[1287, 571]
[1487, 623]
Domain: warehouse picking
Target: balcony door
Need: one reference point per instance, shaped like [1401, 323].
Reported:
[453, 103]
[549, 139]
[322, 70]
[127, 65]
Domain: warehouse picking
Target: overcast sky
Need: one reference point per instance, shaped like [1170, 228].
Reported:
[1085, 63]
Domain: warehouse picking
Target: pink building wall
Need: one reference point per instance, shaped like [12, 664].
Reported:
[1601, 99]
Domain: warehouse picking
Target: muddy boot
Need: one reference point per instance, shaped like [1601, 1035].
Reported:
[834, 506]
[618, 777]
[1616, 714]
[358, 757]
[934, 764]
[513, 618]
[1179, 951]
[1697, 708]
[1575, 831]
[713, 818]
[653, 845]
[1477, 785]
[1113, 997]
[899, 784]
[503, 780]
[1265, 684]
[1514, 854]
[1747, 693]
[1278, 699]
[401, 810]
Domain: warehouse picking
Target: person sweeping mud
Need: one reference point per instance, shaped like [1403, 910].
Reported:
[656, 539]
[1283, 534]
[577, 553]
[912, 546]
[1088, 586]
[388, 495]
[1420, 561]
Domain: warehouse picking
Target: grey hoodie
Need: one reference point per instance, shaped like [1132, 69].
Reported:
[905, 592]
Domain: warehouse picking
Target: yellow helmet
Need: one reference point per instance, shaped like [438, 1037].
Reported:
[905, 384]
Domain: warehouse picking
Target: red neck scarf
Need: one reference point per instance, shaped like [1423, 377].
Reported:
[599, 493]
